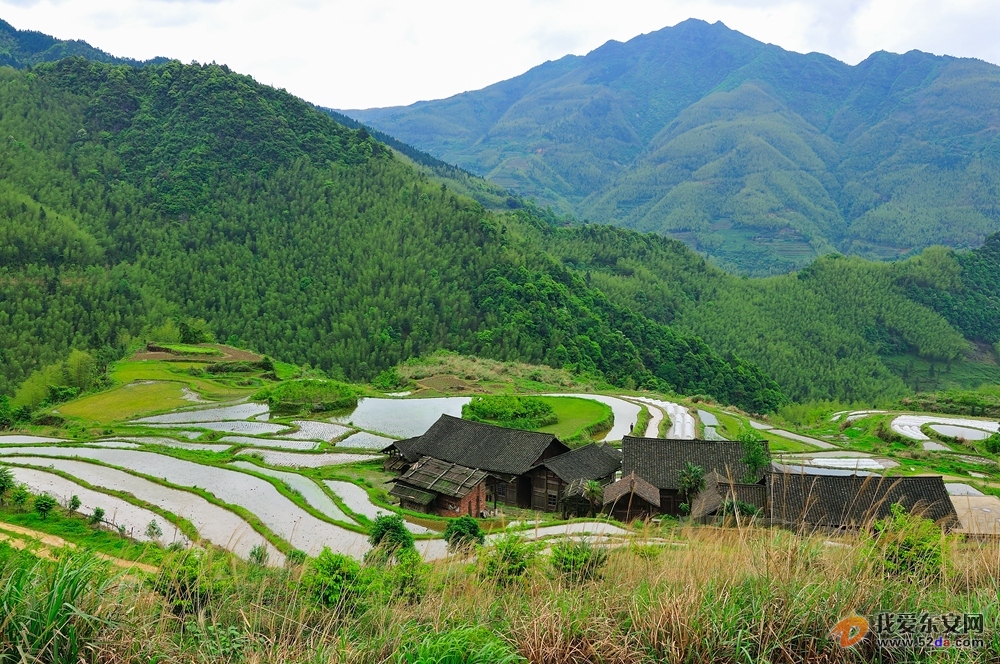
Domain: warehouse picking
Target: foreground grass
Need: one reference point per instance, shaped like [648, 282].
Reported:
[684, 595]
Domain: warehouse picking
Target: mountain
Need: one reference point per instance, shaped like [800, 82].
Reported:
[132, 196]
[24, 48]
[761, 158]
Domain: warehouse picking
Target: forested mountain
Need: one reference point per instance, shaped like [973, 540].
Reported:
[759, 157]
[131, 195]
[23, 48]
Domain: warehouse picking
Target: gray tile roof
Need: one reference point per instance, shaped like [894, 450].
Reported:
[451, 479]
[410, 493]
[478, 445]
[718, 489]
[590, 462]
[630, 484]
[660, 460]
[853, 501]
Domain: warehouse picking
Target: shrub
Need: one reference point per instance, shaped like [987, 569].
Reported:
[690, 480]
[389, 533]
[738, 507]
[905, 545]
[309, 394]
[74, 503]
[993, 444]
[153, 530]
[19, 496]
[578, 560]
[507, 560]
[44, 504]
[463, 532]
[190, 579]
[755, 455]
[7, 482]
[295, 557]
[259, 555]
[510, 411]
[389, 380]
[468, 645]
[332, 580]
[97, 516]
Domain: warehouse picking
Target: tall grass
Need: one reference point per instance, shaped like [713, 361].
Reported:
[688, 595]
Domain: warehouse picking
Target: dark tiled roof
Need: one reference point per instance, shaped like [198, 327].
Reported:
[411, 493]
[405, 447]
[660, 460]
[439, 476]
[590, 462]
[718, 489]
[613, 452]
[852, 501]
[478, 445]
[630, 484]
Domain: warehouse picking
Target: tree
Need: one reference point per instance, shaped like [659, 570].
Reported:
[389, 532]
[153, 530]
[463, 532]
[44, 504]
[7, 481]
[97, 516]
[594, 493]
[19, 496]
[691, 480]
[74, 503]
[755, 455]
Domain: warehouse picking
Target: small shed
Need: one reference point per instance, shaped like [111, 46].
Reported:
[631, 498]
[439, 487]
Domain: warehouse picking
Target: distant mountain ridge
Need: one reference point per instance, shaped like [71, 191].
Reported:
[25, 48]
[759, 157]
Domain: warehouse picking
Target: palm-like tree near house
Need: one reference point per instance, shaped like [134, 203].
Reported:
[690, 480]
[594, 493]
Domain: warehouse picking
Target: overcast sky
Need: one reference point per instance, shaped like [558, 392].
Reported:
[366, 53]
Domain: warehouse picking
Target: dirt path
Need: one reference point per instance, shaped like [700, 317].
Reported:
[58, 543]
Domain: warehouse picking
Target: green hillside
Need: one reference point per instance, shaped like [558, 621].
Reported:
[137, 196]
[24, 48]
[761, 158]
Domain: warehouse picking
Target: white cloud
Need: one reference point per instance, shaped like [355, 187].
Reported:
[382, 52]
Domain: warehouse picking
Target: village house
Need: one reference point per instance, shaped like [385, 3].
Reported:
[658, 462]
[439, 487]
[506, 455]
[821, 502]
[551, 479]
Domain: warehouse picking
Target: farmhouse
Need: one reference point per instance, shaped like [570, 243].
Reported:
[659, 461]
[438, 487]
[807, 501]
[632, 498]
[551, 479]
[506, 455]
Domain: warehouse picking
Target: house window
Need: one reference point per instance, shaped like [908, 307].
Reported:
[553, 499]
[501, 490]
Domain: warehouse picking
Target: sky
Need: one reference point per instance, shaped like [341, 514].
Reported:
[370, 53]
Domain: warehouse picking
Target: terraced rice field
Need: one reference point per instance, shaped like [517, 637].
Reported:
[238, 412]
[166, 442]
[625, 413]
[301, 445]
[117, 511]
[909, 425]
[297, 460]
[214, 524]
[310, 491]
[366, 441]
[309, 430]
[401, 418]
[240, 426]
[682, 423]
[16, 439]
[279, 514]
[357, 501]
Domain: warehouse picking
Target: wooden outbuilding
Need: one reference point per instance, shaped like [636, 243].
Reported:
[551, 478]
[438, 487]
[631, 498]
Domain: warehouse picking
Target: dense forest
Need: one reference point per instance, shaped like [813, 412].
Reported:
[763, 159]
[137, 195]
[131, 197]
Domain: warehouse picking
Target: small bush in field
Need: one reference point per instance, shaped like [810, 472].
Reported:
[97, 516]
[259, 555]
[578, 560]
[389, 532]
[153, 530]
[296, 557]
[44, 504]
[333, 581]
[74, 503]
[463, 532]
[507, 560]
[993, 444]
[467, 645]
[905, 545]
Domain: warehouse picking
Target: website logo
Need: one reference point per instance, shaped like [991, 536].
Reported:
[850, 630]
